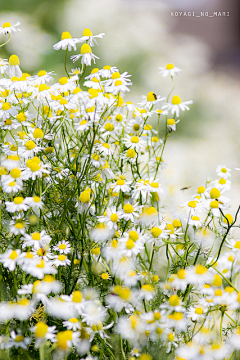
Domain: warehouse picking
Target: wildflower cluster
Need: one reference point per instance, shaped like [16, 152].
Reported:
[84, 227]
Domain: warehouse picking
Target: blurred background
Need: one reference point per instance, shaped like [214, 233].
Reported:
[141, 35]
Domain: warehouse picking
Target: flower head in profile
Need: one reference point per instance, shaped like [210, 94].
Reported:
[85, 55]
[7, 28]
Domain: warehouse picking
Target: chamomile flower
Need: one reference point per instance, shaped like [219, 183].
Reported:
[12, 186]
[104, 148]
[107, 71]
[134, 142]
[13, 68]
[7, 28]
[34, 202]
[111, 217]
[90, 38]
[43, 332]
[36, 239]
[64, 247]
[72, 324]
[171, 124]
[17, 340]
[130, 212]
[150, 99]
[42, 77]
[18, 204]
[169, 69]
[64, 84]
[9, 259]
[121, 185]
[223, 172]
[17, 226]
[66, 42]
[85, 55]
[177, 105]
[61, 260]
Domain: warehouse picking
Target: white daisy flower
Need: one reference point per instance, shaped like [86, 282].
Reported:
[9, 258]
[66, 42]
[64, 84]
[130, 212]
[177, 105]
[170, 69]
[89, 37]
[110, 218]
[64, 247]
[86, 55]
[134, 142]
[7, 28]
[121, 184]
[61, 260]
[107, 71]
[42, 77]
[104, 148]
[13, 68]
[18, 204]
[171, 124]
[36, 239]
[12, 186]
[150, 99]
[43, 332]
[17, 340]
[72, 324]
[223, 172]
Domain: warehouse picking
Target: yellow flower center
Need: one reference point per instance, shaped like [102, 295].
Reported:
[41, 329]
[114, 217]
[15, 173]
[36, 236]
[131, 153]
[200, 269]
[77, 297]
[14, 60]
[135, 139]
[128, 209]
[61, 257]
[30, 144]
[215, 193]
[151, 96]
[13, 255]
[181, 274]
[87, 32]
[62, 339]
[84, 197]
[107, 146]
[118, 117]
[66, 35]
[63, 80]
[169, 66]
[38, 133]
[6, 24]
[6, 106]
[214, 204]
[171, 122]
[133, 235]
[155, 231]
[62, 246]
[174, 300]
[86, 49]
[18, 200]
[199, 311]
[19, 338]
[176, 100]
